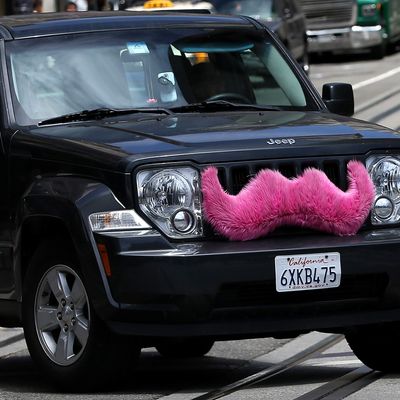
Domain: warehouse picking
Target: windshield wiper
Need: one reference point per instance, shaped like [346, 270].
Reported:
[205, 106]
[100, 113]
[221, 105]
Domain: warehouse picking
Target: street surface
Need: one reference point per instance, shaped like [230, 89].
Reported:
[377, 95]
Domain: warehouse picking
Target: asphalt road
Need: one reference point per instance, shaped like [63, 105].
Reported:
[376, 85]
[377, 96]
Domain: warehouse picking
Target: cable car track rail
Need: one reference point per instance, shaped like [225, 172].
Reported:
[343, 386]
[337, 388]
[274, 370]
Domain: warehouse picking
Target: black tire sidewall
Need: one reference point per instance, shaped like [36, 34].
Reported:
[377, 346]
[379, 51]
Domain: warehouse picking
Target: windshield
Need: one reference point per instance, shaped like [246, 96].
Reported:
[259, 9]
[54, 76]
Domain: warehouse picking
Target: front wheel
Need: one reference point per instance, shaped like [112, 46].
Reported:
[377, 346]
[64, 336]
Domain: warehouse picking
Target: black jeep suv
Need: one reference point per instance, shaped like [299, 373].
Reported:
[107, 123]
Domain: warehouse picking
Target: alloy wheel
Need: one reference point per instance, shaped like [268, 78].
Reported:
[62, 316]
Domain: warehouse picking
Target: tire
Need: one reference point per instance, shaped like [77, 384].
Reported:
[378, 52]
[185, 348]
[377, 346]
[65, 338]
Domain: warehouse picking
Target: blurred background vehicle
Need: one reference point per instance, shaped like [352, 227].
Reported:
[16, 6]
[352, 25]
[284, 17]
[28, 6]
[165, 4]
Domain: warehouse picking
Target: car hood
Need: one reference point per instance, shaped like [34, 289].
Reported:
[204, 138]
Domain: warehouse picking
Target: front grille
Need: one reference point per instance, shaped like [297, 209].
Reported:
[258, 294]
[235, 176]
[329, 13]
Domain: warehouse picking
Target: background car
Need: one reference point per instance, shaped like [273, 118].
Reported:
[352, 25]
[284, 17]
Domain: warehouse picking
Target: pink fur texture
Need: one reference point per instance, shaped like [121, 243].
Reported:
[270, 200]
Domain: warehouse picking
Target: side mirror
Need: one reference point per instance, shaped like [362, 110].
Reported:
[339, 98]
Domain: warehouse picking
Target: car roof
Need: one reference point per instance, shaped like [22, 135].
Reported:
[47, 24]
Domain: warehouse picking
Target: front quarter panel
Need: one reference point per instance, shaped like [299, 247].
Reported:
[67, 202]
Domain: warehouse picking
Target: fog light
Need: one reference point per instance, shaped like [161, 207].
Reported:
[183, 221]
[383, 207]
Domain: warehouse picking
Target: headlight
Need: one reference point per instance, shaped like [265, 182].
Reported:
[385, 173]
[368, 10]
[171, 199]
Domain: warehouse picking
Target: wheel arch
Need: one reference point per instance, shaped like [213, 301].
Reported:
[37, 229]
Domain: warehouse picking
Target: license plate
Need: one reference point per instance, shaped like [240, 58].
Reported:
[307, 272]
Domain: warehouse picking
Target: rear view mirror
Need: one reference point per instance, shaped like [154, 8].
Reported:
[339, 98]
[167, 90]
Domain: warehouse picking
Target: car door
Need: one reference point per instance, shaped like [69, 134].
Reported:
[6, 248]
[7, 284]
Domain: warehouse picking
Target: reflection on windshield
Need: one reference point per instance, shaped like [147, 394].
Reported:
[61, 75]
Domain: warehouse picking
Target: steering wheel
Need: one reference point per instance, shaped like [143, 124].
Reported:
[230, 97]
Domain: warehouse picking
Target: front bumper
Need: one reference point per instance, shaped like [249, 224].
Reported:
[226, 289]
[344, 39]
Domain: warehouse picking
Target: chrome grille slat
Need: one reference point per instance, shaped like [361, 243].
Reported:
[329, 13]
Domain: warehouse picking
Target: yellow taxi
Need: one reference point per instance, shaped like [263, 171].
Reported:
[155, 5]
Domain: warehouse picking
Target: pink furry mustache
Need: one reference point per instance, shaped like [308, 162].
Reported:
[270, 200]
